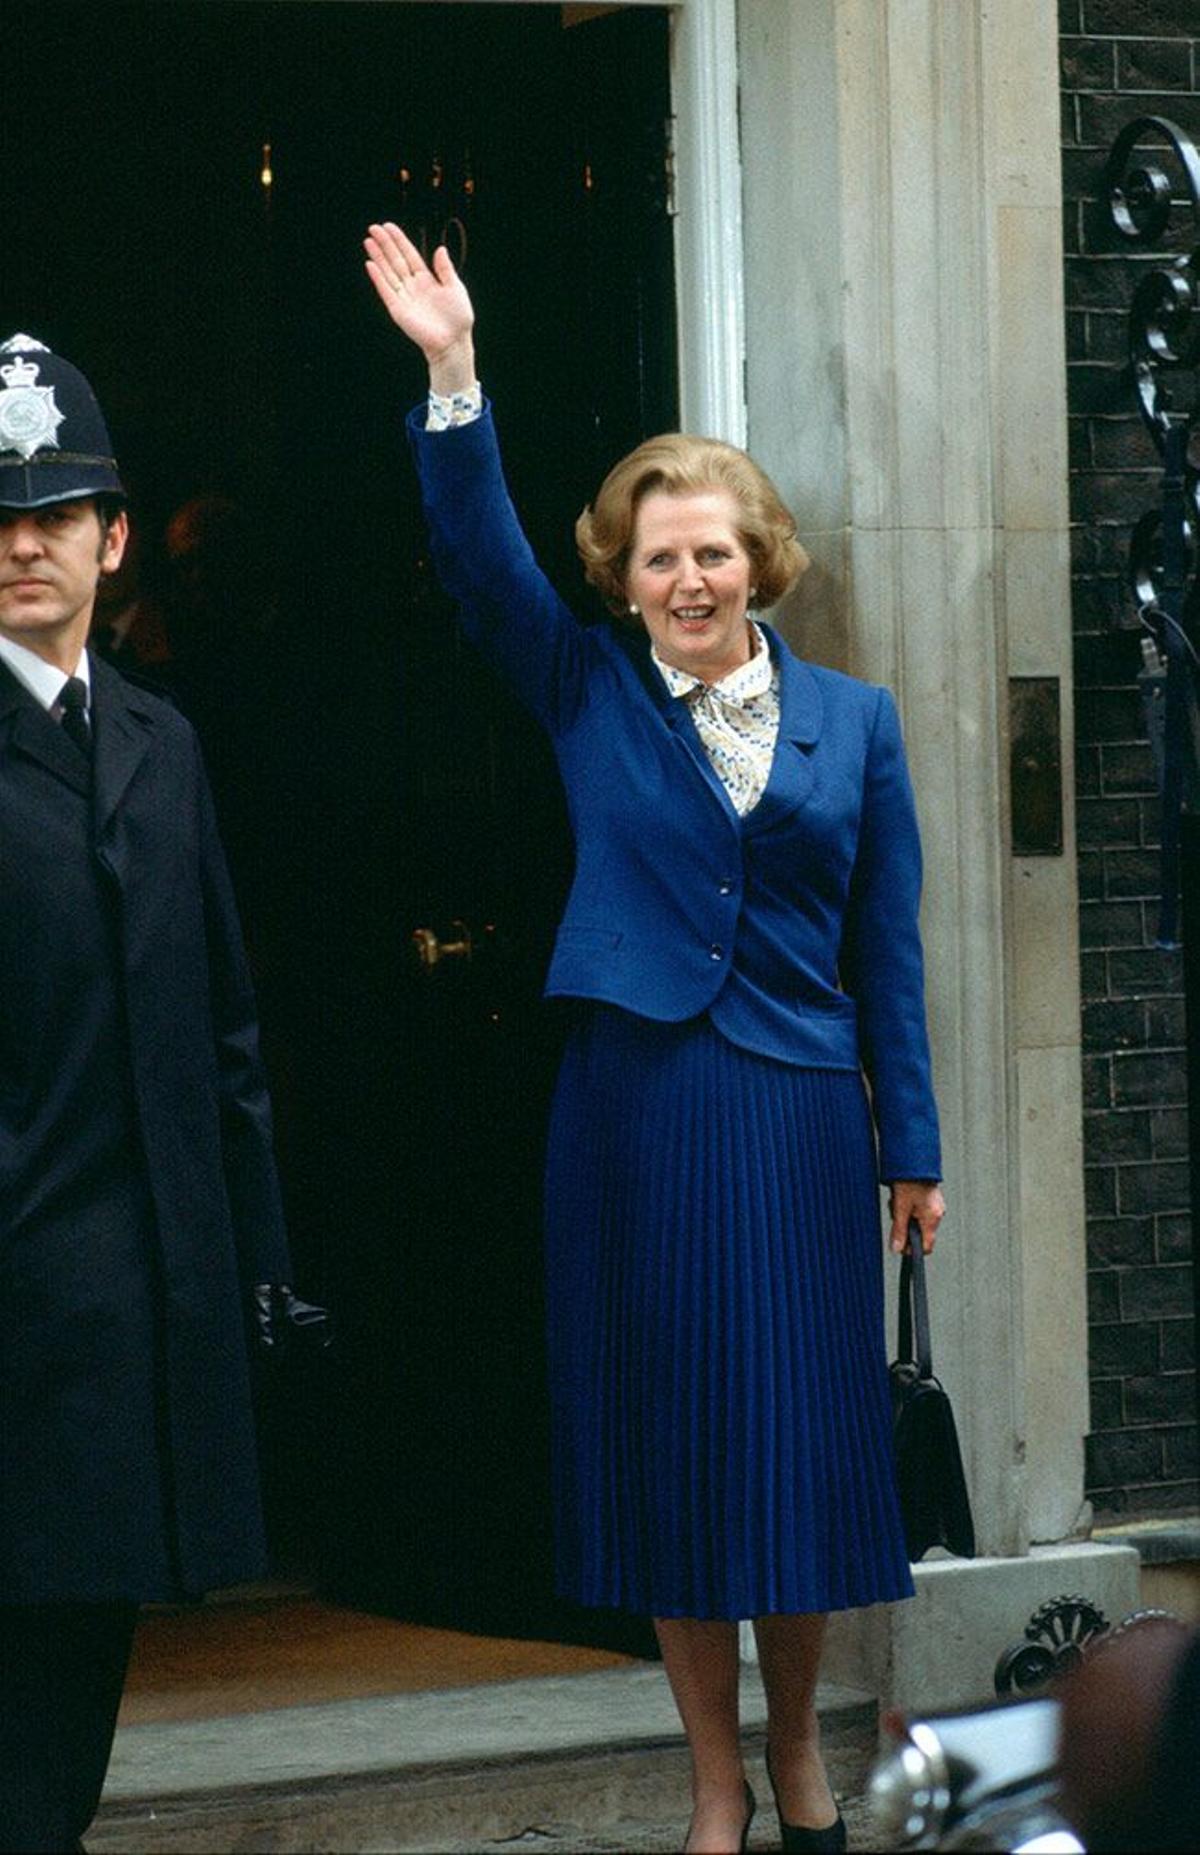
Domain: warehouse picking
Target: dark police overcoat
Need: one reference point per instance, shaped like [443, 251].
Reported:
[138, 1192]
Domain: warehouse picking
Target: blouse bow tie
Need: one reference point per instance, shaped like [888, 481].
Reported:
[737, 699]
[736, 691]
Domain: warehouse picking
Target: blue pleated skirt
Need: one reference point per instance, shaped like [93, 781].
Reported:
[722, 1429]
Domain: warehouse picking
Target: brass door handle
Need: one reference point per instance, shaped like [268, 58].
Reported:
[430, 951]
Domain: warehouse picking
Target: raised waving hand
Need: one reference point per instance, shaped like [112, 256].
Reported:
[429, 304]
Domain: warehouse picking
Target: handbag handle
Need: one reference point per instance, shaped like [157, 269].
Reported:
[914, 1303]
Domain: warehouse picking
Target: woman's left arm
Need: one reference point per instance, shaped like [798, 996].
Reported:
[881, 966]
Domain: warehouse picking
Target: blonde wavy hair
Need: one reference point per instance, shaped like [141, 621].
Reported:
[682, 466]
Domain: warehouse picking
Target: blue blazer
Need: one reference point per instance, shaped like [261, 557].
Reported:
[795, 927]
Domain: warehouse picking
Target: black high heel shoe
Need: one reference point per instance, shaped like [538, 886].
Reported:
[797, 1840]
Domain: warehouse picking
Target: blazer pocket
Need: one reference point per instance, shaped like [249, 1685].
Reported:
[834, 1005]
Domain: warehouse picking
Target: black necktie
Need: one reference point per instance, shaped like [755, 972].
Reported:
[73, 699]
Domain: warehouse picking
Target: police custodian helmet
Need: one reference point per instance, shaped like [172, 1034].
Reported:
[54, 444]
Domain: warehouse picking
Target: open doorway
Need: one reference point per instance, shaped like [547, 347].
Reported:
[374, 781]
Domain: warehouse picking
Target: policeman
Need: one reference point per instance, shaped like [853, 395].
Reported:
[141, 1230]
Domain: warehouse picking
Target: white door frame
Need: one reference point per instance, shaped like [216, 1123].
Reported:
[709, 256]
[709, 261]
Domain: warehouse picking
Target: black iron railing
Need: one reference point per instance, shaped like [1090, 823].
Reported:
[1152, 184]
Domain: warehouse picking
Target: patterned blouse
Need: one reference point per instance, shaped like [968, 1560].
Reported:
[737, 718]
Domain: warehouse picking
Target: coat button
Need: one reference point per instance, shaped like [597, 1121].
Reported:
[716, 953]
[725, 886]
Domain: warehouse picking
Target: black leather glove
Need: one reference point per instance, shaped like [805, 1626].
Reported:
[282, 1324]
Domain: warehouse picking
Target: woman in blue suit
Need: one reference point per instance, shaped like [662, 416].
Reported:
[742, 926]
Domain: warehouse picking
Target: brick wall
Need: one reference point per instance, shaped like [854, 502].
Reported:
[1121, 58]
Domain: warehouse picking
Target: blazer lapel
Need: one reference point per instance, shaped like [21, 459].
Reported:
[678, 717]
[801, 710]
[33, 735]
[123, 728]
[801, 714]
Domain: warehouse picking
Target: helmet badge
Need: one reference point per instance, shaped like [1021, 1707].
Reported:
[29, 417]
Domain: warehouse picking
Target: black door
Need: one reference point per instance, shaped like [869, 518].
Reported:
[398, 838]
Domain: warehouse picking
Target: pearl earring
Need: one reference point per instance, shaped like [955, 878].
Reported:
[635, 611]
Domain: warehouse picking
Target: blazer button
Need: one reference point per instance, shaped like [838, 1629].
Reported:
[725, 887]
[716, 953]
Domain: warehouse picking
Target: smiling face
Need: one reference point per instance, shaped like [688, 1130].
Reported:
[51, 560]
[689, 575]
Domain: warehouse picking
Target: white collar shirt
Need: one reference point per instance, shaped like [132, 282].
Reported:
[44, 681]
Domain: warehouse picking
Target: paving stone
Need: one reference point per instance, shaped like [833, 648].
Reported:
[591, 1761]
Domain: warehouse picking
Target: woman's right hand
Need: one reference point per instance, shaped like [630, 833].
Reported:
[431, 306]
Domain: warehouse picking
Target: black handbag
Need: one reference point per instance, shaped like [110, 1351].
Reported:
[933, 1489]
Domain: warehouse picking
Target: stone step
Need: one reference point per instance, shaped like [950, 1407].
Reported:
[591, 1761]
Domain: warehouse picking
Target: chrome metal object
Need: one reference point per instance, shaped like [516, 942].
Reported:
[983, 1778]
